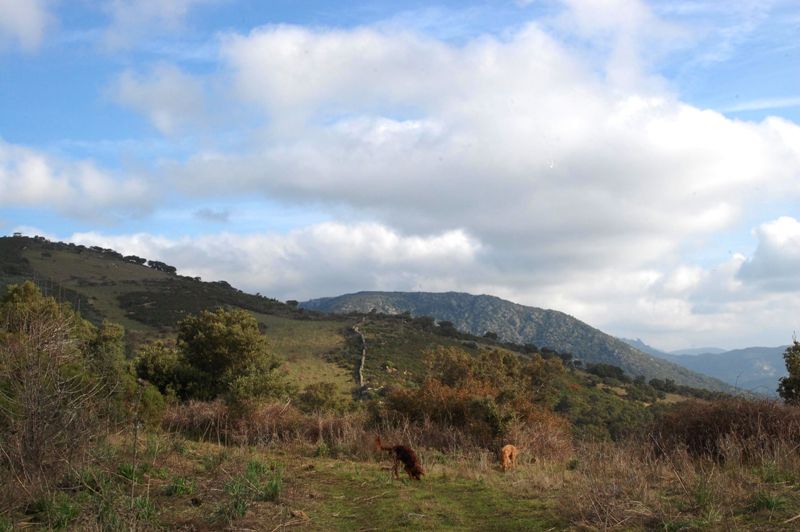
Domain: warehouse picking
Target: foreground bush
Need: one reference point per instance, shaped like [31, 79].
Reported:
[54, 382]
[624, 486]
[704, 428]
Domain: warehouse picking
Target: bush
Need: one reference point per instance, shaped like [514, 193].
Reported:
[608, 371]
[220, 354]
[703, 428]
[49, 395]
[789, 386]
[263, 424]
[321, 397]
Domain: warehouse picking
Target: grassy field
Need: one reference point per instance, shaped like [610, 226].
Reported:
[181, 484]
[304, 344]
[99, 278]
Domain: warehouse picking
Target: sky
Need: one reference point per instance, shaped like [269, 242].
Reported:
[635, 164]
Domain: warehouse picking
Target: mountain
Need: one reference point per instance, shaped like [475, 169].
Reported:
[754, 369]
[698, 351]
[519, 324]
[650, 350]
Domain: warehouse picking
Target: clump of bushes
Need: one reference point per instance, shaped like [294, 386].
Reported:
[482, 402]
[220, 354]
[704, 428]
[63, 383]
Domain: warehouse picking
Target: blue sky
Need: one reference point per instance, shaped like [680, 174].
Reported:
[636, 164]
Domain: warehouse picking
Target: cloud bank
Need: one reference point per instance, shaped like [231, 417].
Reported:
[80, 189]
[549, 164]
[23, 23]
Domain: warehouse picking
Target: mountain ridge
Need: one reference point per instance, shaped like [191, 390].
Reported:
[755, 369]
[513, 322]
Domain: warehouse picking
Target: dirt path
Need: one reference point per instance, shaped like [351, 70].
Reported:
[363, 360]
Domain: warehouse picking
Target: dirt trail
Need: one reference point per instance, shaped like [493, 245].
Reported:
[363, 360]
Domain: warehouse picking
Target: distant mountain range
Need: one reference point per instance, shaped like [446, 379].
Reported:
[755, 369]
[698, 351]
[519, 324]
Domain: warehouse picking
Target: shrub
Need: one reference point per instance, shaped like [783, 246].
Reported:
[789, 386]
[220, 354]
[321, 397]
[180, 486]
[49, 394]
[702, 428]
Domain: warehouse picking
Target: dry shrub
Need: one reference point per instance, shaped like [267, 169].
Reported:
[49, 399]
[702, 428]
[469, 417]
[265, 424]
[613, 487]
[627, 485]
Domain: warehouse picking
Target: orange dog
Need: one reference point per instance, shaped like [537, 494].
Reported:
[508, 457]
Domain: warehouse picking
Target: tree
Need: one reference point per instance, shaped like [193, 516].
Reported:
[48, 396]
[218, 354]
[789, 386]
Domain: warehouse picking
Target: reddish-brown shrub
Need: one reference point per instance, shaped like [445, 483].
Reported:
[470, 416]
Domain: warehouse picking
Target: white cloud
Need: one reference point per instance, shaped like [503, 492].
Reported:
[24, 22]
[764, 104]
[29, 178]
[523, 165]
[775, 264]
[137, 20]
[171, 99]
[517, 140]
[323, 258]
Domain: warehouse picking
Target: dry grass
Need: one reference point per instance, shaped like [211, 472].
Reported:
[627, 486]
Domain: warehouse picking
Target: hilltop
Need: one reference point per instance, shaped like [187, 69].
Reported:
[512, 322]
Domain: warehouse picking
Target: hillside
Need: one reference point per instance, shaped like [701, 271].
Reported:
[287, 461]
[519, 324]
[149, 300]
[149, 297]
[698, 351]
[755, 369]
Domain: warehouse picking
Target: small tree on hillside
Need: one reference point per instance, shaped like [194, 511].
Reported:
[789, 386]
[219, 354]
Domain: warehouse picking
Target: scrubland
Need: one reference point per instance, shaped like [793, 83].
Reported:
[209, 431]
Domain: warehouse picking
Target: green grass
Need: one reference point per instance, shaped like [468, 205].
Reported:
[180, 486]
[354, 496]
[764, 500]
[303, 345]
[401, 346]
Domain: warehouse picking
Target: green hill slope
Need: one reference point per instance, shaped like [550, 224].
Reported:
[519, 324]
[149, 301]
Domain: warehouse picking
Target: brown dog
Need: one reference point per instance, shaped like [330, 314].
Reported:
[403, 454]
[508, 457]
